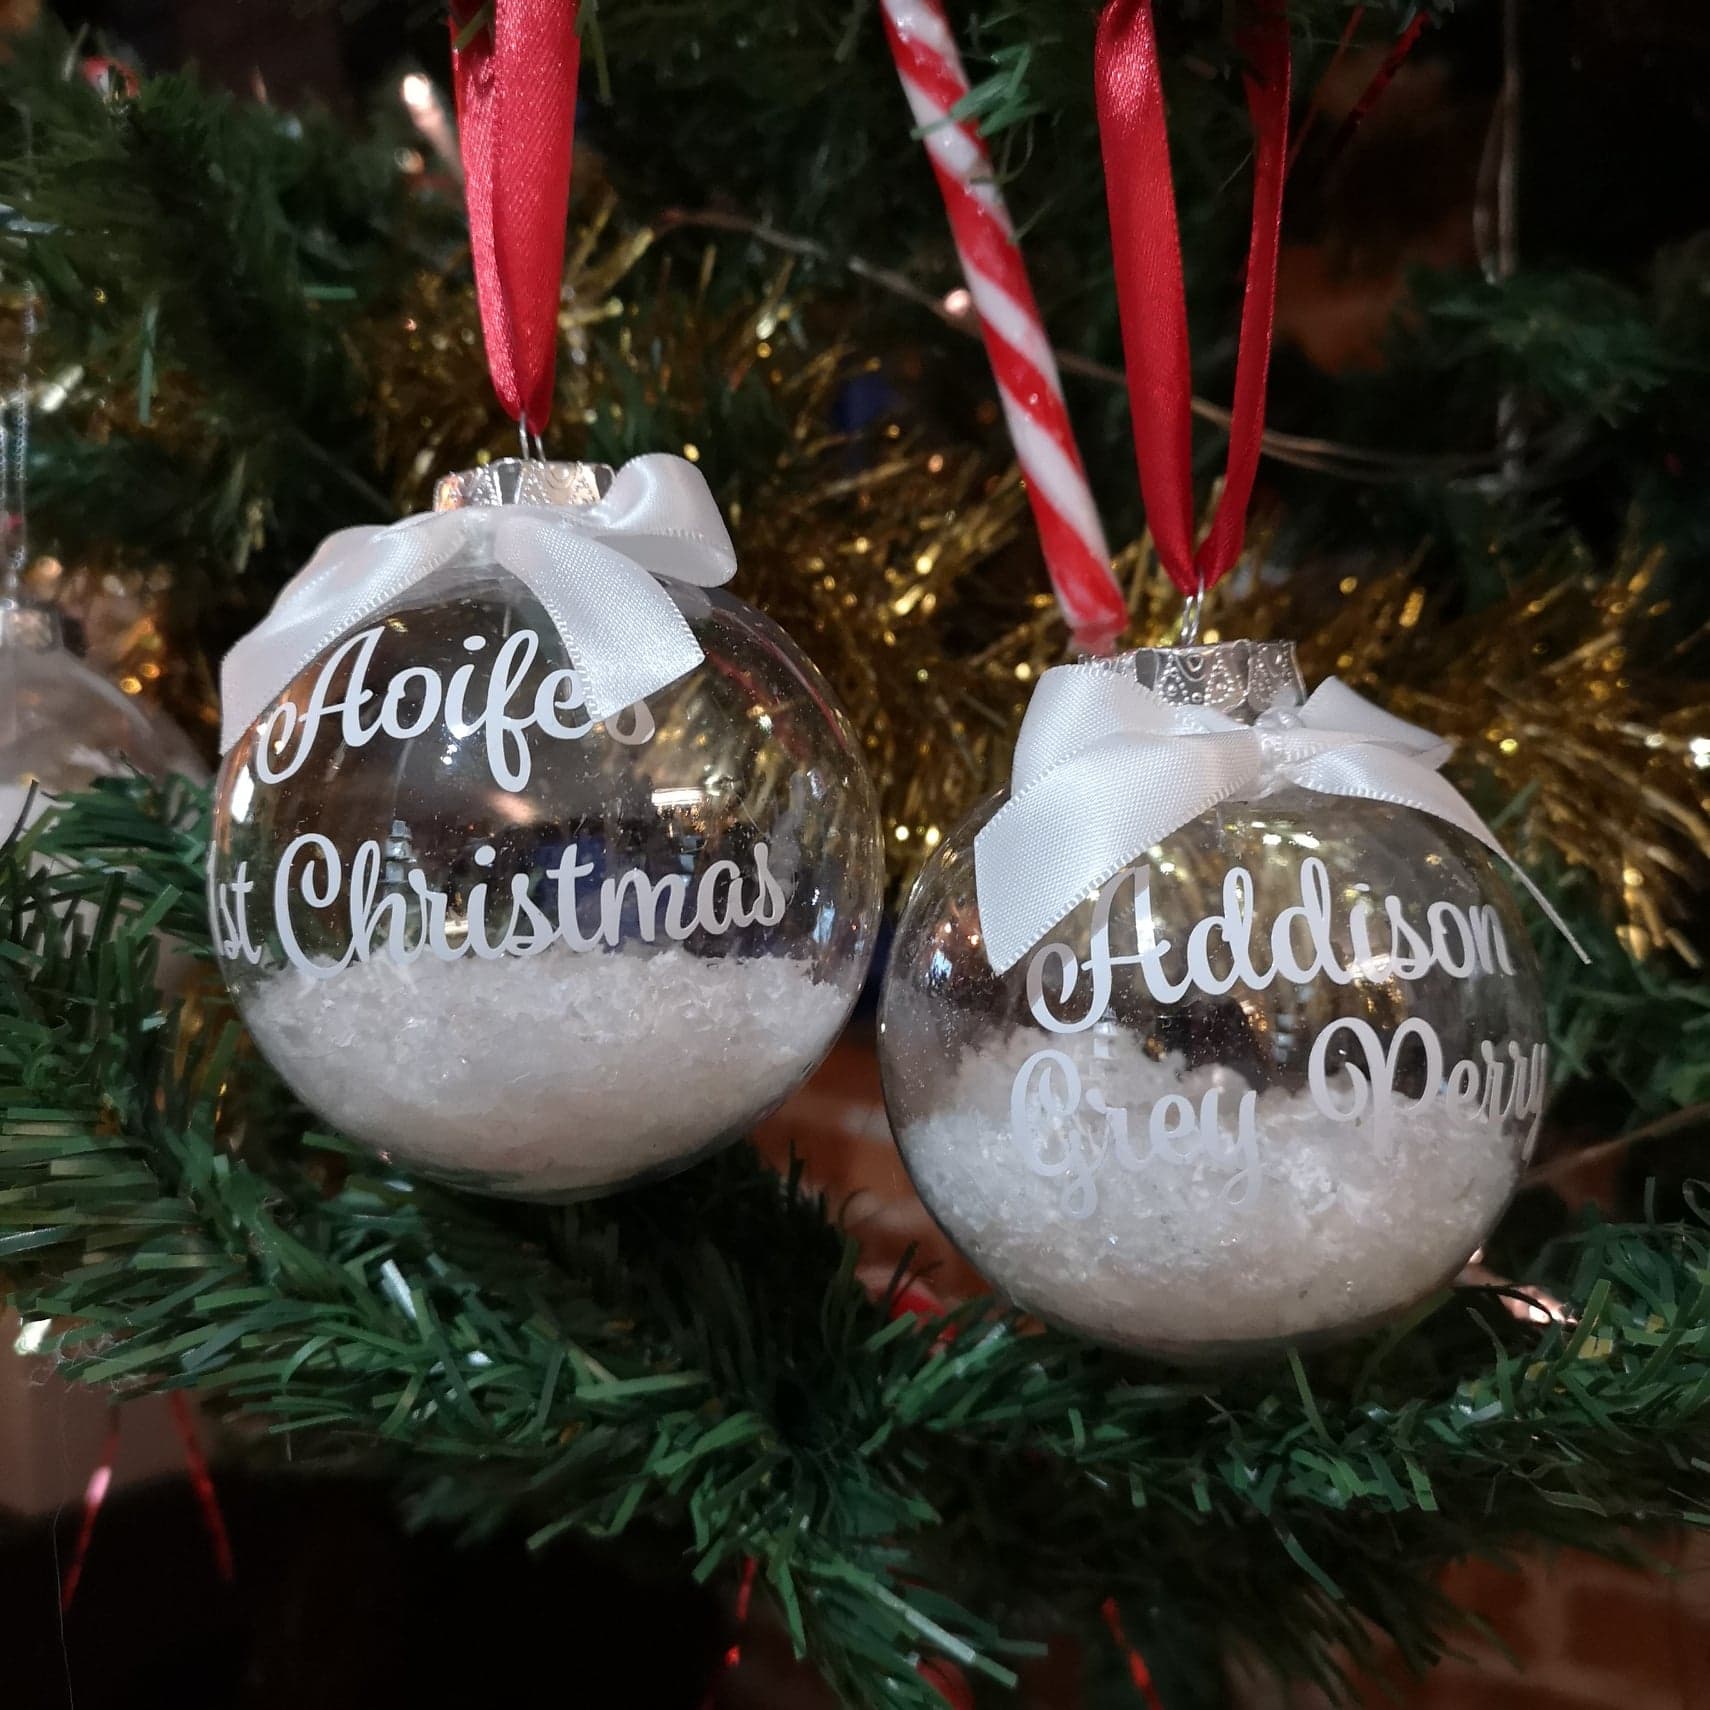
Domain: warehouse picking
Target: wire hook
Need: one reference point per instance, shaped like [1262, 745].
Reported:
[1187, 633]
[533, 446]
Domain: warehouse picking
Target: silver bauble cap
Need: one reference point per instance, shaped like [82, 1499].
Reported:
[523, 481]
[1239, 678]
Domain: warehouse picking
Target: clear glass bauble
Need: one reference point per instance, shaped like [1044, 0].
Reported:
[62, 725]
[1150, 1132]
[586, 981]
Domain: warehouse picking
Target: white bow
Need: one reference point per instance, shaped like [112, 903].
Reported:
[1104, 768]
[595, 568]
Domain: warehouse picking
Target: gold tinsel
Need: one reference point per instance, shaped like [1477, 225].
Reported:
[907, 568]
[904, 569]
[117, 618]
[1560, 700]
[117, 613]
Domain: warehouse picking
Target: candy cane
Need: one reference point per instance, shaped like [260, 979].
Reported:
[1022, 363]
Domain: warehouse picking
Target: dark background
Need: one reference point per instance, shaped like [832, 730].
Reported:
[1617, 93]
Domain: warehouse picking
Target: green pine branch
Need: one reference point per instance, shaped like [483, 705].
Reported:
[199, 262]
[209, 270]
[700, 1354]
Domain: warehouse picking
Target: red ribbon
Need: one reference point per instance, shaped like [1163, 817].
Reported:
[1381, 80]
[202, 1482]
[1138, 1672]
[732, 1658]
[1150, 295]
[101, 1482]
[1315, 107]
[94, 1494]
[516, 112]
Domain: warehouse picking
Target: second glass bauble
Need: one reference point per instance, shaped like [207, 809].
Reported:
[1272, 1083]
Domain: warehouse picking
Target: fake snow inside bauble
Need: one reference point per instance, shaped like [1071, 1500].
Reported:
[1209, 1140]
[585, 972]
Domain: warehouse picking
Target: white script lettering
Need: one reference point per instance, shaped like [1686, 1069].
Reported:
[401, 925]
[1219, 952]
[558, 709]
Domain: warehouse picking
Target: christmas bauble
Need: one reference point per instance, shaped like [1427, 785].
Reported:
[62, 726]
[1273, 1081]
[521, 948]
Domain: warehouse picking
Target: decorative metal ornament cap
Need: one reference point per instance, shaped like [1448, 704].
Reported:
[1241, 679]
[523, 481]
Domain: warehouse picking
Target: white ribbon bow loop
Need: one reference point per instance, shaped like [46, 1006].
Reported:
[1105, 768]
[596, 569]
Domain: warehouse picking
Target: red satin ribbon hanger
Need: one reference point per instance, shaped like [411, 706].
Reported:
[515, 78]
[1146, 241]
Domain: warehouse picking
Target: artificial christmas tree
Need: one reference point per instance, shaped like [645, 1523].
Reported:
[1483, 512]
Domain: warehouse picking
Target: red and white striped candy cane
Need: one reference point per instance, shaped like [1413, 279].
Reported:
[1022, 363]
